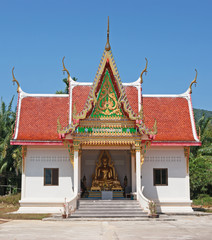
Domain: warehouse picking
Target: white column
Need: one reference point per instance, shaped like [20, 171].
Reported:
[138, 171]
[23, 180]
[79, 170]
[133, 171]
[187, 185]
[23, 177]
[76, 166]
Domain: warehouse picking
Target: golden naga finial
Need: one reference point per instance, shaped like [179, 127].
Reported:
[141, 113]
[194, 81]
[65, 69]
[145, 70]
[14, 80]
[155, 128]
[58, 125]
[107, 46]
[74, 111]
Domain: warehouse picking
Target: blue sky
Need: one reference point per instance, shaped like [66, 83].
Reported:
[175, 36]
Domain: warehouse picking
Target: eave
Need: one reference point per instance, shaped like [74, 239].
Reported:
[175, 143]
[36, 143]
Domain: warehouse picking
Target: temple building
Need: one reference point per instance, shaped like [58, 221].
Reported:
[105, 140]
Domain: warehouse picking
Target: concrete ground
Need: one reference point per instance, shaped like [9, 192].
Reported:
[180, 227]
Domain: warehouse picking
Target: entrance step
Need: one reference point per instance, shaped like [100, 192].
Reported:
[108, 209]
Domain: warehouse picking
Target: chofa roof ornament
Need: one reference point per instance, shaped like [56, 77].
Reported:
[65, 69]
[194, 81]
[144, 71]
[15, 81]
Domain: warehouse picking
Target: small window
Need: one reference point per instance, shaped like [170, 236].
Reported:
[160, 176]
[51, 176]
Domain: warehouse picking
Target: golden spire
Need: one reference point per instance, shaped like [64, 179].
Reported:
[14, 80]
[194, 81]
[107, 46]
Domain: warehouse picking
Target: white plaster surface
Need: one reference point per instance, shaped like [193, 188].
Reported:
[36, 160]
[176, 195]
[172, 198]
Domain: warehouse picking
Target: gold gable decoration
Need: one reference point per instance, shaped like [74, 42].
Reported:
[107, 102]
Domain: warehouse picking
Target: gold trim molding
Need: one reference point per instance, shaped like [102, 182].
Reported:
[186, 154]
[24, 152]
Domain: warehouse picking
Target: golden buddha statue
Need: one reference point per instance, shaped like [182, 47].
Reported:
[105, 176]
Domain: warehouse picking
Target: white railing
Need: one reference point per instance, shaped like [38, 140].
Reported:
[144, 202]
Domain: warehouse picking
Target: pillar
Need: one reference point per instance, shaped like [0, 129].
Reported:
[138, 170]
[23, 180]
[133, 171]
[76, 166]
[23, 176]
[79, 170]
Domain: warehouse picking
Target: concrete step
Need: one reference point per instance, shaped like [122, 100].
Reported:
[114, 202]
[109, 205]
[108, 209]
[75, 215]
[110, 212]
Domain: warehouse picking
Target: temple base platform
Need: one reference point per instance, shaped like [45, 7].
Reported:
[98, 194]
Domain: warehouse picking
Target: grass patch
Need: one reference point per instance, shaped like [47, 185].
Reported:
[10, 203]
[11, 199]
[203, 200]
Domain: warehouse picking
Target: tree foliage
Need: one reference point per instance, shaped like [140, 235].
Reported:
[66, 91]
[201, 160]
[10, 164]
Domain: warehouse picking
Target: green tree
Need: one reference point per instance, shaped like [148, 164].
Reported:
[66, 91]
[201, 160]
[9, 173]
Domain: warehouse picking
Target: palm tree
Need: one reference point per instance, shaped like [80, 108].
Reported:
[8, 169]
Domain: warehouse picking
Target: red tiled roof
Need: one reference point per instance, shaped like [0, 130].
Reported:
[38, 115]
[132, 95]
[173, 118]
[79, 97]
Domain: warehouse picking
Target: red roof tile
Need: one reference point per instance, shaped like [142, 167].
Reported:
[38, 117]
[173, 118]
[132, 95]
[79, 97]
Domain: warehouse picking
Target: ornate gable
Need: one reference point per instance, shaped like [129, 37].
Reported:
[107, 101]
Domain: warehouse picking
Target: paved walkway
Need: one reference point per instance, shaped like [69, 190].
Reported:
[183, 228]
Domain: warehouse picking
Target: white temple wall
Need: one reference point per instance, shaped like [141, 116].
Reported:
[52, 157]
[174, 160]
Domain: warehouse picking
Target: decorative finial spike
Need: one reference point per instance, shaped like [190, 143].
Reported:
[144, 71]
[15, 81]
[64, 68]
[194, 81]
[107, 46]
[108, 27]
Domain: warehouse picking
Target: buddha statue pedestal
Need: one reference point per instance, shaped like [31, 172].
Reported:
[107, 195]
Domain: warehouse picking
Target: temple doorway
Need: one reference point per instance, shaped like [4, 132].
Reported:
[121, 160]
